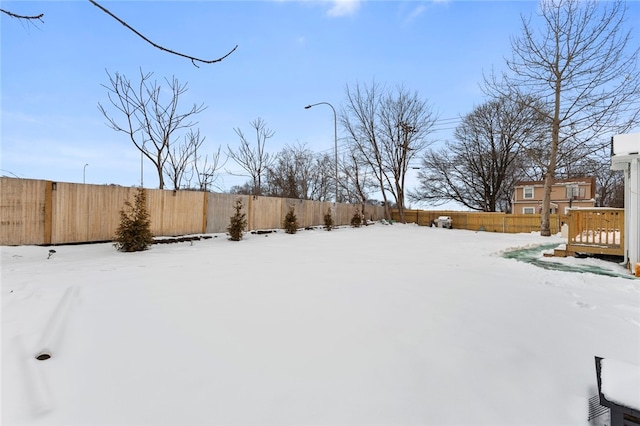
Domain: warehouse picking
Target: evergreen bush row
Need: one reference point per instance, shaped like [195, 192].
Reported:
[134, 230]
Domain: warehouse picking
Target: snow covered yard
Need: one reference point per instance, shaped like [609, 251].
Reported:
[380, 325]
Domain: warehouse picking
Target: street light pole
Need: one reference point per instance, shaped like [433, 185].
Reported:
[335, 140]
[84, 172]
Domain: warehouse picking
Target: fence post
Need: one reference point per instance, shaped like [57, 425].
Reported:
[48, 211]
[204, 211]
[250, 212]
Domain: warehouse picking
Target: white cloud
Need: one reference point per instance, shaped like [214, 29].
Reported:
[337, 8]
[343, 7]
[415, 13]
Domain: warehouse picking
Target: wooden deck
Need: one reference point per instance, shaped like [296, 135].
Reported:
[596, 231]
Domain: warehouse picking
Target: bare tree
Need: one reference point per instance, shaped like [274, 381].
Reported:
[255, 160]
[151, 123]
[479, 168]
[359, 118]
[357, 183]
[582, 65]
[388, 128]
[295, 172]
[292, 174]
[206, 171]
[405, 123]
[182, 157]
[609, 183]
[610, 188]
[321, 178]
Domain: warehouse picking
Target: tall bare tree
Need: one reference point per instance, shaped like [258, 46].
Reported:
[254, 159]
[152, 123]
[388, 128]
[405, 124]
[478, 169]
[359, 118]
[582, 63]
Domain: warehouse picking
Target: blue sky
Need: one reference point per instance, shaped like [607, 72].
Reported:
[290, 54]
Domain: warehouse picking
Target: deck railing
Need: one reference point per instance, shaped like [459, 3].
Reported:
[596, 231]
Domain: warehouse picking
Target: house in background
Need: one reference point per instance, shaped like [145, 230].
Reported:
[565, 194]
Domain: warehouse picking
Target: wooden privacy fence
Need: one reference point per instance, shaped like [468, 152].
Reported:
[43, 212]
[593, 230]
[596, 231]
[481, 221]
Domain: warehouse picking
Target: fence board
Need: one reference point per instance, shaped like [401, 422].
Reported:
[84, 213]
[22, 212]
[175, 212]
[266, 212]
[220, 209]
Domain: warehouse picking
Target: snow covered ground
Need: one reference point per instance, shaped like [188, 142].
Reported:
[380, 325]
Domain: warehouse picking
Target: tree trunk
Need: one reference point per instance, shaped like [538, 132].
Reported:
[160, 177]
[545, 228]
[400, 193]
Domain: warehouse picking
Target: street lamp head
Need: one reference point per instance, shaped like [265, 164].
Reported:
[307, 107]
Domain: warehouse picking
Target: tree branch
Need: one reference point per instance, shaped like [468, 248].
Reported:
[192, 58]
[29, 18]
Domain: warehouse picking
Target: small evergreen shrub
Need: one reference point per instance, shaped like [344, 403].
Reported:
[238, 222]
[356, 220]
[290, 224]
[134, 230]
[328, 220]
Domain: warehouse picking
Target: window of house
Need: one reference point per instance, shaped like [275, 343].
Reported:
[528, 210]
[527, 192]
[573, 191]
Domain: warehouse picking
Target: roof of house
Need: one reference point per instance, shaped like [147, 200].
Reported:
[578, 179]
